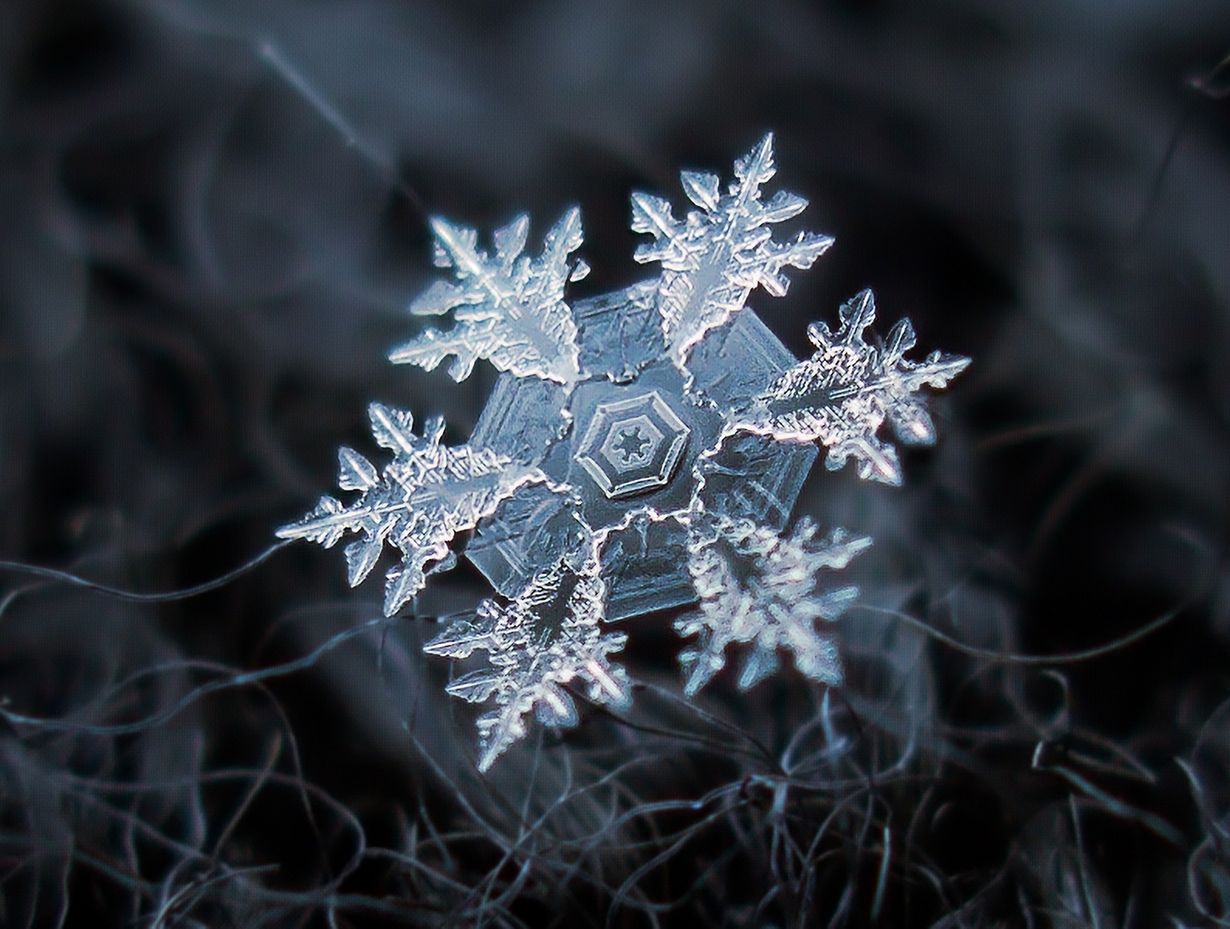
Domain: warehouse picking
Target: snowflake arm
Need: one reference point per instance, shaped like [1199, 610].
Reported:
[843, 394]
[758, 587]
[715, 257]
[546, 637]
[509, 308]
[425, 497]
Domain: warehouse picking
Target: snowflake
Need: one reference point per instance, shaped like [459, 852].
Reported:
[641, 450]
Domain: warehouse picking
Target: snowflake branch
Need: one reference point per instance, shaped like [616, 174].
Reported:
[509, 308]
[426, 496]
[758, 587]
[715, 257]
[843, 394]
[543, 639]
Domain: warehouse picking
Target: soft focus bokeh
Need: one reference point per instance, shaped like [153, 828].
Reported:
[212, 218]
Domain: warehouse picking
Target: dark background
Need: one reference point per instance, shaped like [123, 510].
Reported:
[212, 217]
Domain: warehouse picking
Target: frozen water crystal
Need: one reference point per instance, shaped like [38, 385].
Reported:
[642, 449]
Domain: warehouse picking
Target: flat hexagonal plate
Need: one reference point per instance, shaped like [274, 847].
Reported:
[632, 445]
[626, 367]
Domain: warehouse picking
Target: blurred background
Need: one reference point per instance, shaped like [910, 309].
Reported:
[212, 218]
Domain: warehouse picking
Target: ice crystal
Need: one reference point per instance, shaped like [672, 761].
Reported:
[426, 495]
[548, 636]
[843, 394]
[642, 449]
[509, 308]
[756, 586]
[716, 256]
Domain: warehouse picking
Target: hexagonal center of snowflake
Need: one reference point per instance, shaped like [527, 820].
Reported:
[624, 444]
[632, 445]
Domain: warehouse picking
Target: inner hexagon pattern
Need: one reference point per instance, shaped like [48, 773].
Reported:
[632, 445]
[570, 432]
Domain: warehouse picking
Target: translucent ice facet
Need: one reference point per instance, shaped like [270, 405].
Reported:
[632, 445]
[564, 431]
